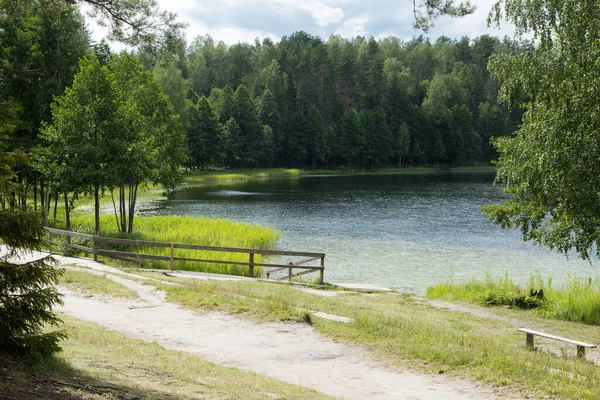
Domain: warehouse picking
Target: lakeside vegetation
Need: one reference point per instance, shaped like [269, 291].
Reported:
[187, 230]
[577, 300]
[210, 176]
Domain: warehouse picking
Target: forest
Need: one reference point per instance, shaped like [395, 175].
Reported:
[301, 102]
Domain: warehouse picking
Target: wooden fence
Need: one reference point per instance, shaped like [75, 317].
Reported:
[270, 269]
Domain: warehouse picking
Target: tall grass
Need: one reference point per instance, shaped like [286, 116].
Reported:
[576, 300]
[188, 230]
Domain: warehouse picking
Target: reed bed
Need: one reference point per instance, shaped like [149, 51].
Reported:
[188, 230]
[577, 300]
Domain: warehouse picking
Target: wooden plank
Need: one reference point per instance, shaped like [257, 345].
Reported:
[243, 250]
[172, 257]
[280, 278]
[201, 260]
[305, 260]
[70, 233]
[251, 259]
[82, 248]
[103, 239]
[322, 274]
[559, 338]
[278, 269]
[303, 273]
[109, 253]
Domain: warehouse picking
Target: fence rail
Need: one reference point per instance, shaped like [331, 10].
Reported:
[97, 250]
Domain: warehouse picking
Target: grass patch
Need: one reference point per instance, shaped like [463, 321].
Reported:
[577, 300]
[401, 331]
[188, 230]
[97, 284]
[97, 363]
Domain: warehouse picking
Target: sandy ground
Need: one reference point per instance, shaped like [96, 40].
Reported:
[292, 352]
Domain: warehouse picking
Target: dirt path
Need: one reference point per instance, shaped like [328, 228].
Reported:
[292, 352]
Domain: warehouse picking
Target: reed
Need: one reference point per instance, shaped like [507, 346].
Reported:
[188, 230]
[577, 300]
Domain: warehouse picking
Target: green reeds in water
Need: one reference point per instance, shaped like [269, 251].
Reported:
[188, 230]
[576, 300]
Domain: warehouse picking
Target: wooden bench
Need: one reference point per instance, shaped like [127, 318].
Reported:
[581, 346]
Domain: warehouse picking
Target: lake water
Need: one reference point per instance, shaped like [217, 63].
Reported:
[404, 231]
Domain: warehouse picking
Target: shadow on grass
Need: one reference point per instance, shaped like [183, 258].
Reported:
[55, 379]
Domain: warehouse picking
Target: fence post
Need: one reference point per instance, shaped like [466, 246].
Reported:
[290, 274]
[172, 257]
[95, 248]
[251, 273]
[68, 245]
[322, 270]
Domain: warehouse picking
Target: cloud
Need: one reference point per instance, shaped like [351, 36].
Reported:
[244, 20]
[322, 13]
[353, 27]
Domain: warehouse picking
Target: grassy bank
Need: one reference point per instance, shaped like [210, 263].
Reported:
[187, 230]
[224, 175]
[406, 332]
[577, 300]
[97, 363]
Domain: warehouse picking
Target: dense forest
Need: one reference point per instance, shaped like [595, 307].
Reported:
[305, 102]
[302, 102]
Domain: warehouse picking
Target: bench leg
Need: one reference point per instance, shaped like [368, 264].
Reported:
[580, 351]
[529, 341]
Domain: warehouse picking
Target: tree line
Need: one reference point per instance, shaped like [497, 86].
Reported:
[305, 102]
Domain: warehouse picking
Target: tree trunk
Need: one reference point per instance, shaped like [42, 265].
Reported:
[96, 215]
[35, 195]
[68, 222]
[42, 194]
[47, 207]
[55, 205]
[133, 199]
[122, 208]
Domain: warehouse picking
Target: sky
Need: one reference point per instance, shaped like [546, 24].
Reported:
[234, 21]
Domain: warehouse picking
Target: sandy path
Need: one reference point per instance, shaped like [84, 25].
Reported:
[292, 352]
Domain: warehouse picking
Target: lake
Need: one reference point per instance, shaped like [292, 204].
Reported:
[404, 231]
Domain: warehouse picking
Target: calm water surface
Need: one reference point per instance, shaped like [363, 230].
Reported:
[401, 231]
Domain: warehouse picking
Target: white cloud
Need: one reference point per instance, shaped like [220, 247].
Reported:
[234, 34]
[353, 27]
[321, 12]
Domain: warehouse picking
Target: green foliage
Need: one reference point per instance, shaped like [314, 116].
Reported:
[204, 135]
[135, 22]
[247, 119]
[577, 300]
[489, 292]
[114, 128]
[83, 141]
[352, 135]
[315, 132]
[550, 164]
[427, 11]
[27, 294]
[440, 92]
